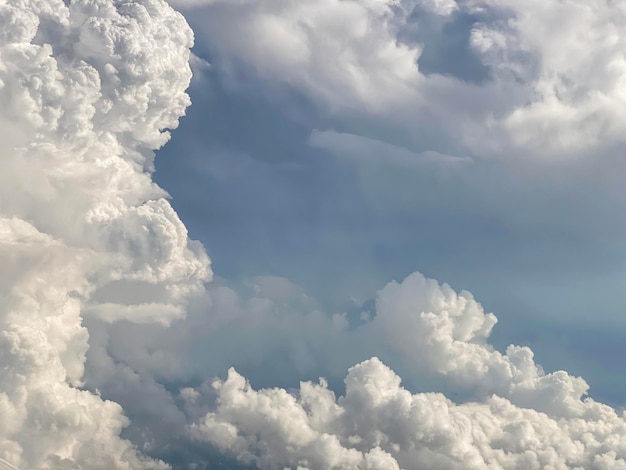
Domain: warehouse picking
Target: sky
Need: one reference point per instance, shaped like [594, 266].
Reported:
[333, 234]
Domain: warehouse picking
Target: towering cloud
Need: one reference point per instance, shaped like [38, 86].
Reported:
[87, 91]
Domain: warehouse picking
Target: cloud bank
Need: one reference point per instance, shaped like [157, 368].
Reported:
[98, 273]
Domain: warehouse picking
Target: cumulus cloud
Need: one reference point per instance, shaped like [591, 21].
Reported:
[98, 271]
[574, 73]
[378, 424]
[87, 92]
[446, 333]
[520, 417]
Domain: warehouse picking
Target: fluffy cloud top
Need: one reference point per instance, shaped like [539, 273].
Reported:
[88, 90]
[523, 418]
[378, 424]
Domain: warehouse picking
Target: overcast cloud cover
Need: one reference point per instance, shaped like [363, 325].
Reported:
[334, 145]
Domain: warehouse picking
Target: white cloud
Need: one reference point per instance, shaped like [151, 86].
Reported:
[573, 73]
[445, 333]
[511, 412]
[551, 91]
[87, 91]
[521, 417]
[378, 424]
[342, 52]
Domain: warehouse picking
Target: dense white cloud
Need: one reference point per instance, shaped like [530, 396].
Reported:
[446, 333]
[523, 417]
[87, 91]
[378, 424]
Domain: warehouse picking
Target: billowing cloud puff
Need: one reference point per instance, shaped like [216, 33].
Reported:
[441, 332]
[546, 91]
[574, 73]
[521, 418]
[87, 92]
[378, 424]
